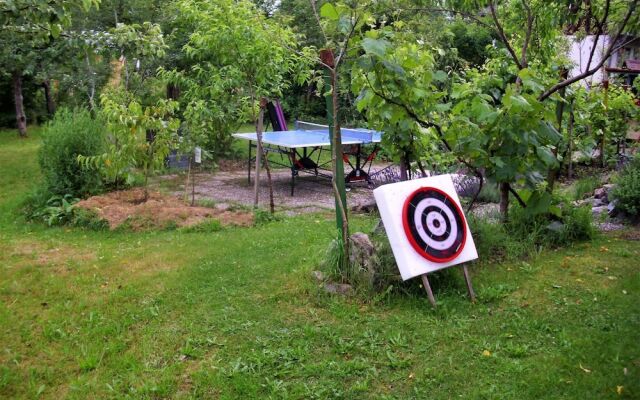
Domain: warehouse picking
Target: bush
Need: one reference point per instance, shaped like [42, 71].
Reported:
[489, 193]
[627, 189]
[69, 134]
[495, 243]
[547, 230]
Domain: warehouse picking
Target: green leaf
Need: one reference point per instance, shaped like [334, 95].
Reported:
[520, 101]
[546, 156]
[393, 67]
[55, 30]
[329, 11]
[377, 47]
[440, 76]
[497, 161]
[555, 210]
[548, 133]
[538, 203]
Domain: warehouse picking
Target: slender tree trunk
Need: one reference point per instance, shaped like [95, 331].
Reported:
[570, 138]
[405, 166]
[260, 126]
[173, 92]
[504, 201]
[552, 177]
[21, 118]
[603, 160]
[92, 83]
[259, 153]
[337, 141]
[51, 103]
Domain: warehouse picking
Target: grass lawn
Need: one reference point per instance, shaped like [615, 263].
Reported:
[235, 315]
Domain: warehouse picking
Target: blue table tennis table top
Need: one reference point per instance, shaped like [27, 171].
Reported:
[313, 138]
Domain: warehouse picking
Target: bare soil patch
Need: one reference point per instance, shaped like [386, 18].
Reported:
[58, 256]
[229, 186]
[158, 211]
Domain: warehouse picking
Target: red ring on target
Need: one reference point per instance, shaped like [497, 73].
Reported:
[410, 235]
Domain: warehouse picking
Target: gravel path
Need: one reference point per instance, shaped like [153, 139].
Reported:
[312, 194]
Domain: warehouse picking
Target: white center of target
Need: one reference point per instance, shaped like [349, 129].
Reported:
[426, 236]
[436, 224]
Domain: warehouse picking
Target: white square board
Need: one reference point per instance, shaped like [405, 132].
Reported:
[392, 203]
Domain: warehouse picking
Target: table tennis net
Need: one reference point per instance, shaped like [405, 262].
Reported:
[366, 135]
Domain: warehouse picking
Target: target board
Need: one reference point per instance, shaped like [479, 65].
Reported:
[425, 224]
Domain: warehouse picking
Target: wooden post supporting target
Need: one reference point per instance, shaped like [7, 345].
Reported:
[427, 287]
[467, 279]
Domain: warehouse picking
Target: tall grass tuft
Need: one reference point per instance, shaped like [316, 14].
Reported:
[585, 187]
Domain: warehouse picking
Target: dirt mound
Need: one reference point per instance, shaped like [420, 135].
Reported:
[158, 211]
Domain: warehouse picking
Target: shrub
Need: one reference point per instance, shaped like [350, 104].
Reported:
[627, 189]
[495, 243]
[571, 225]
[489, 193]
[68, 135]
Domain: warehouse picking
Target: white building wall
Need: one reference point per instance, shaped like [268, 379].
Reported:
[579, 51]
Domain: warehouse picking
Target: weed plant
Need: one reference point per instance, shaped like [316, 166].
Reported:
[207, 226]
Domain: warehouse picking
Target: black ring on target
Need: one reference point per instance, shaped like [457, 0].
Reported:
[453, 220]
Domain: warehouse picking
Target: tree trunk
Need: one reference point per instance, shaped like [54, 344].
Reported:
[603, 160]
[570, 137]
[51, 104]
[404, 166]
[21, 118]
[173, 91]
[504, 201]
[337, 158]
[261, 157]
[552, 177]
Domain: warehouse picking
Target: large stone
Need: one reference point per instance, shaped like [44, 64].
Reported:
[584, 202]
[366, 207]
[338, 288]
[555, 226]
[612, 210]
[361, 254]
[597, 211]
[599, 202]
[379, 229]
[361, 249]
[318, 276]
[600, 193]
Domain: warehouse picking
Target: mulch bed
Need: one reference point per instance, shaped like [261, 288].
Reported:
[158, 211]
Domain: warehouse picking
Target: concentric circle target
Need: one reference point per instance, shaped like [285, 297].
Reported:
[434, 224]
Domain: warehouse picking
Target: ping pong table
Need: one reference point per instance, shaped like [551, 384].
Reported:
[300, 150]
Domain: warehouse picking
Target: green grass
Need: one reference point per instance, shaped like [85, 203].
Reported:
[233, 314]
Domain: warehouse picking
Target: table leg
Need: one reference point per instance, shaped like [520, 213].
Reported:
[249, 164]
